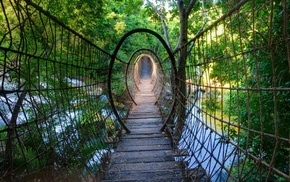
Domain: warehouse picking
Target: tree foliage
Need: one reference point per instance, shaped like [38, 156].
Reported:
[104, 22]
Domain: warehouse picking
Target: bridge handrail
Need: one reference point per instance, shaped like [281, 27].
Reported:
[227, 96]
[55, 118]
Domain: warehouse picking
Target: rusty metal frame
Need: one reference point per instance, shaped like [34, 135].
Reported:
[127, 67]
[114, 56]
[133, 54]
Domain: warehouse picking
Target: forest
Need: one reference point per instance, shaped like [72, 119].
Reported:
[242, 66]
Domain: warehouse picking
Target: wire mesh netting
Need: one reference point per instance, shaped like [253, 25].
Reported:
[232, 121]
[55, 120]
[237, 104]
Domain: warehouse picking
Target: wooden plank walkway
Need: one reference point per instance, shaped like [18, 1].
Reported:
[145, 154]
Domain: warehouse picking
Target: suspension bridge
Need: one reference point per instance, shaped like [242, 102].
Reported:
[71, 111]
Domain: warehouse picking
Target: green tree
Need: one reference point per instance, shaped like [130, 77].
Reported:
[182, 9]
[264, 110]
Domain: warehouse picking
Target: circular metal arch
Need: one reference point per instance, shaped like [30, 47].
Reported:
[128, 64]
[113, 57]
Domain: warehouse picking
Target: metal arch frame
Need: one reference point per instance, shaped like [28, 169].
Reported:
[113, 57]
[151, 51]
[162, 70]
[138, 58]
[126, 77]
[153, 63]
[126, 74]
[151, 60]
[133, 54]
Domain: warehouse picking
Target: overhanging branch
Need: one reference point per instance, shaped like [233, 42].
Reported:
[164, 25]
[201, 28]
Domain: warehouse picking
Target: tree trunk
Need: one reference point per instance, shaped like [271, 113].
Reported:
[11, 130]
[184, 12]
[181, 73]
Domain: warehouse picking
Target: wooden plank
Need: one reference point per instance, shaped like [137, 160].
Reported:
[148, 109]
[141, 124]
[145, 111]
[165, 175]
[142, 117]
[145, 154]
[144, 129]
[128, 157]
[144, 120]
[144, 136]
[144, 114]
[151, 166]
[126, 148]
[144, 125]
[149, 141]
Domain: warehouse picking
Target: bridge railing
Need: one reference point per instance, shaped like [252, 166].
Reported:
[56, 121]
[55, 118]
[237, 101]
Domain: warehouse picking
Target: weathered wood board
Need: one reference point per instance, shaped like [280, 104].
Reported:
[145, 154]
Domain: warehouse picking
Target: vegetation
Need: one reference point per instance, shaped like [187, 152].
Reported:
[44, 122]
[53, 55]
[251, 103]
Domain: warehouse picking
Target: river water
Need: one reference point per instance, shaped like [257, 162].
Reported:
[206, 148]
